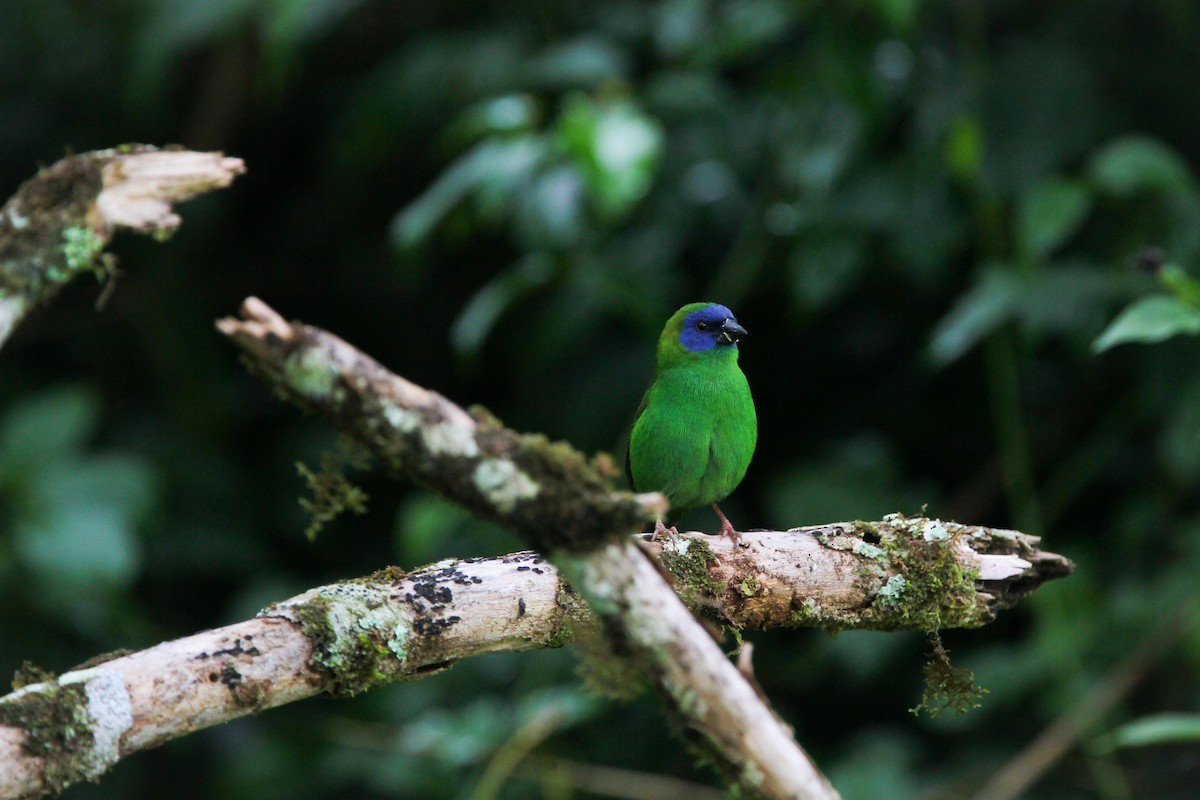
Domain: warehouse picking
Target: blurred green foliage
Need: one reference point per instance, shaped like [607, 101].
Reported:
[925, 212]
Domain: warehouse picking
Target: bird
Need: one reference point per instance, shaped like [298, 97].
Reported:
[695, 431]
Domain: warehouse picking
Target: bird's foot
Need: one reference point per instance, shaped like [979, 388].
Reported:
[734, 537]
[661, 531]
[727, 529]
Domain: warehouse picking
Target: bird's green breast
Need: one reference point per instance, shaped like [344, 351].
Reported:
[696, 434]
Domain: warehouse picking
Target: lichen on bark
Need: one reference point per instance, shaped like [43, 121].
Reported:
[57, 729]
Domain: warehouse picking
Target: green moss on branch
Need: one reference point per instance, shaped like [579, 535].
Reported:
[58, 730]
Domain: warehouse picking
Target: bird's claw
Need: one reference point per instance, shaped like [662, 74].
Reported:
[727, 529]
[661, 531]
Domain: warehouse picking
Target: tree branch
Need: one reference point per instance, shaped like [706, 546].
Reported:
[563, 505]
[348, 637]
[896, 574]
[58, 223]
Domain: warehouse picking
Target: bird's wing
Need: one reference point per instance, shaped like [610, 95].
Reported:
[636, 416]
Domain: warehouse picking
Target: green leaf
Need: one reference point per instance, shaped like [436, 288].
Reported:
[79, 523]
[1149, 320]
[118, 480]
[1051, 213]
[1139, 163]
[983, 308]
[617, 148]
[479, 317]
[586, 61]
[85, 545]
[43, 427]
[1156, 729]
[964, 148]
[1181, 284]
[508, 114]
[1070, 297]
[550, 214]
[505, 171]
[493, 169]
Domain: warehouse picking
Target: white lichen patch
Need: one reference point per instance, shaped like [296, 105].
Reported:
[395, 636]
[934, 531]
[439, 438]
[676, 544]
[503, 483]
[866, 549]
[111, 710]
[447, 438]
[310, 373]
[352, 610]
[404, 420]
[1002, 567]
[16, 219]
[1005, 534]
[889, 594]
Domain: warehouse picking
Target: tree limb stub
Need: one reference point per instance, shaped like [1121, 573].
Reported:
[348, 637]
[58, 223]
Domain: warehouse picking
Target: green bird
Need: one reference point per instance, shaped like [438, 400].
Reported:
[695, 430]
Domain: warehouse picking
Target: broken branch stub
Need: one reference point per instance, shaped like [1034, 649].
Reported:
[57, 224]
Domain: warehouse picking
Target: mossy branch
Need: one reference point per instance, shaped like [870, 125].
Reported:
[564, 505]
[59, 221]
[341, 639]
[560, 503]
[898, 573]
[349, 637]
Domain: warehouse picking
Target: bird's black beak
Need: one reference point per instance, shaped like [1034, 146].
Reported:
[731, 331]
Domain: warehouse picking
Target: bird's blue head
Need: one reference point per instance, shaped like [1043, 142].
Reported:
[710, 326]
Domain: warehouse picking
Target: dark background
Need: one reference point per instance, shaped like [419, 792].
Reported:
[923, 212]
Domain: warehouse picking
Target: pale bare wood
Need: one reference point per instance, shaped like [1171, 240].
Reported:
[57, 224]
[456, 609]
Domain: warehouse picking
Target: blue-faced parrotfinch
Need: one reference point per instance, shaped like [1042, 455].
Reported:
[696, 428]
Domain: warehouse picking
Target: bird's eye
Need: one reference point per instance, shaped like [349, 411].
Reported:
[701, 326]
